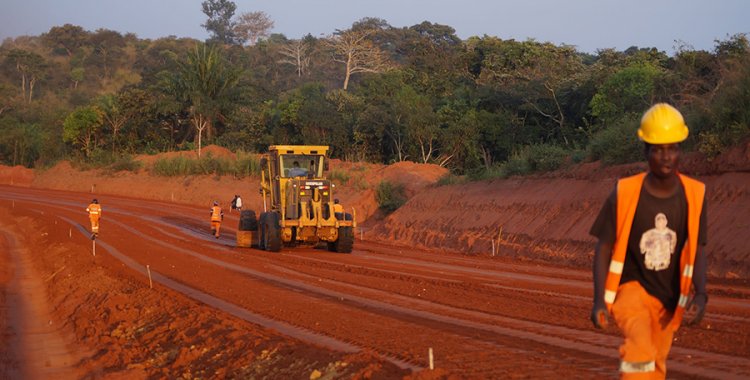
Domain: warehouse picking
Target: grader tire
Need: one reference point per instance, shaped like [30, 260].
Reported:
[248, 221]
[345, 242]
[272, 233]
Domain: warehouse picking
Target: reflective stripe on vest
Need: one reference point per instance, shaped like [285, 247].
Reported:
[628, 192]
[637, 367]
[94, 209]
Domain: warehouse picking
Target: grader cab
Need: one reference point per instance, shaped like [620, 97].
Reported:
[298, 201]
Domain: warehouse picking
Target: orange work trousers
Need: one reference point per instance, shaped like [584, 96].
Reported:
[94, 224]
[215, 224]
[644, 323]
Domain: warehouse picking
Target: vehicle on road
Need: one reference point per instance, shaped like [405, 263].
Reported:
[298, 201]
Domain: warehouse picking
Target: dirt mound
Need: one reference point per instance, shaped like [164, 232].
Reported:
[16, 175]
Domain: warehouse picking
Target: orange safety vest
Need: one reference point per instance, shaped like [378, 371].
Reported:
[95, 210]
[337, 207]
[216, 214]
[628, 191]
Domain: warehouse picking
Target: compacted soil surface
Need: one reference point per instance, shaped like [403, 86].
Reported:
[156, 296]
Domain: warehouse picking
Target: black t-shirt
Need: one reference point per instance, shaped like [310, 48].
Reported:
[657, 236]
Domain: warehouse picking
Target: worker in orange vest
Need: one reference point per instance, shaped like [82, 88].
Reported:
[217, 215]
[95, 214]
[649, 262]
[338, 209]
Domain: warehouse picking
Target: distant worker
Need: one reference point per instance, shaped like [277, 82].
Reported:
[238, 203]
[234, 204]
[217, 215]
[297, 171]
[650, 253]
[95, 214]
[338, 209]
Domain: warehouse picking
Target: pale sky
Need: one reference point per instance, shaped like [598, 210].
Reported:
[589, 25]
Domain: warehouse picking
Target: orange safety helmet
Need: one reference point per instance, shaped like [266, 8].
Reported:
[662, 124]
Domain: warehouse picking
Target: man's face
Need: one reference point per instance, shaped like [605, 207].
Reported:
[663, 159]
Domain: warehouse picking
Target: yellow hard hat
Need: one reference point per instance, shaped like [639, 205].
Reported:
[662, 124]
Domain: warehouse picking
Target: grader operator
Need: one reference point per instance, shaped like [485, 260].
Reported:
[298, 202]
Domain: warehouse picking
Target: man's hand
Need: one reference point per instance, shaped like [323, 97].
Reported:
[599, 316]
[696, 309]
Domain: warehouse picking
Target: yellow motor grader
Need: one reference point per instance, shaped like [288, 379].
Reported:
[298, 202]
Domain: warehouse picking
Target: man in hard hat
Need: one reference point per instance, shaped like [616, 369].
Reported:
[95, 214]
[338, 209]
[649, 262]
[217, 215]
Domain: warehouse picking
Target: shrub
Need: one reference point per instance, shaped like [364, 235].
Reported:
[390, 196]
[709, 143]
[617, 143]
[125, 163]
[450, 179]
[340, 176]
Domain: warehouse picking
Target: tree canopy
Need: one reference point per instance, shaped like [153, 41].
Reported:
[372, 92]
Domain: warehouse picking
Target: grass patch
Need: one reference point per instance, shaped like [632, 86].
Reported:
[125, 163]
[245, 165]
[390, 196]
[339, 176]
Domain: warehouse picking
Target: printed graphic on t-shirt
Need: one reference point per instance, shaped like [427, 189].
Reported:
[658, 244]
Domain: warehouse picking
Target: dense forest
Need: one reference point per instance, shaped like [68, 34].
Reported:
[372, 92]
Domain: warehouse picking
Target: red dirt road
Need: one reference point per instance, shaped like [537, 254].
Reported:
[218, 311]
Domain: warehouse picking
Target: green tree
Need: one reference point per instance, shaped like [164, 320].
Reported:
[204, 82]
[66, 39]
[108, 52]
[631, 89]
[414, 111]
[81, 127]
[219, 23]
[20, 143]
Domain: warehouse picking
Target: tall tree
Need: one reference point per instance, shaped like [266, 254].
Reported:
[204, 81]
[251, 26]
[219, 23]
[297, 54]
[415, 113]
[30, 66]
[108, 51]
[67, 38]
[357, 52]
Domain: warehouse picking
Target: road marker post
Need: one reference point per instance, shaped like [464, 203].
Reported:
[93, 247]
[150, 284]
[493, 247]
[432, 363]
